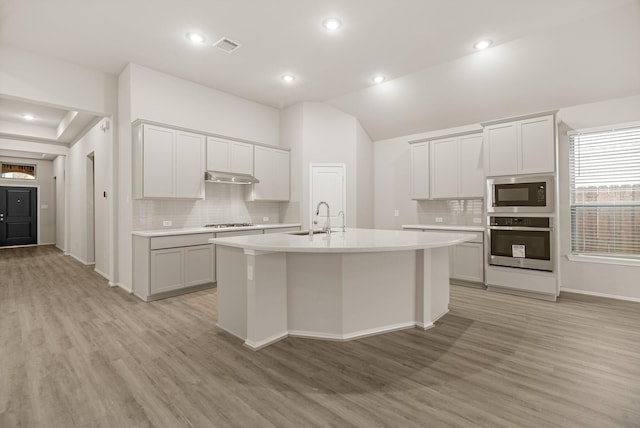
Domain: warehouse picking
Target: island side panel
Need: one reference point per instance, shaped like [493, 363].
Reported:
[379, 292]
[314, 295]
[266, 298]
[432, 285]
[232, 290]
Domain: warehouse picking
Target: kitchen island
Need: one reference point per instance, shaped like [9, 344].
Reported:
[337, 287]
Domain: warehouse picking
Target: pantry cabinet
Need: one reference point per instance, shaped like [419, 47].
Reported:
[271, 167]
[229, 156]
[525, 146]
[168, 163]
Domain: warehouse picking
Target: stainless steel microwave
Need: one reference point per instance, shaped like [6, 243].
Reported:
[520, 194]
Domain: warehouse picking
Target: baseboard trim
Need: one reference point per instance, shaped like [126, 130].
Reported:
[61, 249]
[355, 335]
[102, 274]
[596, 294]
[522, 293]
[255, 346]
[79, 259]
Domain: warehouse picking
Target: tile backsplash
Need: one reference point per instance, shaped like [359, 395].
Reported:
[223, 203]
[452, 211]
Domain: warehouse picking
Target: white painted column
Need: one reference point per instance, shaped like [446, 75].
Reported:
[432, 285]
[266, 298]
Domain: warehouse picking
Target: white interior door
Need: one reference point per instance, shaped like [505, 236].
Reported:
[328, 184]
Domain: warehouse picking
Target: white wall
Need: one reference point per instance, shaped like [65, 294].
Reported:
[60, 182]
[588, 277]
[46, 195]
[98, 142]
[153, 96]
[162, 98]
[319, 133]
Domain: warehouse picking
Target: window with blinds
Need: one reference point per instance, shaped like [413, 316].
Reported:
[605, 192]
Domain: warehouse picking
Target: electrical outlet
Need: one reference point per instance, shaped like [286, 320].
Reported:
[438, 219]
[250, 273]
[396, 213]
[477, 220]
[265, 218]
[167, 223]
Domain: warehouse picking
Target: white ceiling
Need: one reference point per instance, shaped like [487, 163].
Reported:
[423, 46]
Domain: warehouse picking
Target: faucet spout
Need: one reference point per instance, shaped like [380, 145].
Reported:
[327, 226]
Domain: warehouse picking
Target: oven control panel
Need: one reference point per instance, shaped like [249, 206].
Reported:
[520, 221]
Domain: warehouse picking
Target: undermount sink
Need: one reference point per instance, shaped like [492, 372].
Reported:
[306, 232]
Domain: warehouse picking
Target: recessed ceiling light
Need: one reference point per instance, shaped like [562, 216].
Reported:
[288, 78]
[379, 78]
[195, 37]
[332, 24]
[482, 44]
[28, 116]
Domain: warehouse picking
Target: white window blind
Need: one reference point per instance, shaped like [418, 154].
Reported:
[605, 192]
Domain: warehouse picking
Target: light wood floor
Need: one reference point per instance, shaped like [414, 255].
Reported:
[76, 353]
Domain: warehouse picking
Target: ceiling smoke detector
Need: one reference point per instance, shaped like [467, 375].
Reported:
[227, 45]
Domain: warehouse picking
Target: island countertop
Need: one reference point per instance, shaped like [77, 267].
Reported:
[353, 240]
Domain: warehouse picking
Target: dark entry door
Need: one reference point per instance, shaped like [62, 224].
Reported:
[18, 216]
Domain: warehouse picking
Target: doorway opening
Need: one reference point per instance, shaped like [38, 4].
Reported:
[327, 184]
[91, 215]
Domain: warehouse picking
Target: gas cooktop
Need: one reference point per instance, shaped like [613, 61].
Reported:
[222, 225]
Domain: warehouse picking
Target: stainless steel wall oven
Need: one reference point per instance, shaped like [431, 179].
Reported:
[521, 242]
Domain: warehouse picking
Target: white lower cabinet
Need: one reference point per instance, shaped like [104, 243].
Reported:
[466, 260]
[165, 266]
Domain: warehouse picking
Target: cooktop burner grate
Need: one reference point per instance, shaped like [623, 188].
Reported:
[222, 225]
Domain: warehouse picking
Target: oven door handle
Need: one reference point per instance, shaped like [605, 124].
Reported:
[526, 229]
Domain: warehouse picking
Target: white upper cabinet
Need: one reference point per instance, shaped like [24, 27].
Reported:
[457, 167]
[167, 163]
[520, 147]
[444, 168]
[229, 156]
[471, 173]
[420, 170]
[271, 167]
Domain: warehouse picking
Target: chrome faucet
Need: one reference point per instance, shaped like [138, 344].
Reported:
[341, 213]
[327, 226]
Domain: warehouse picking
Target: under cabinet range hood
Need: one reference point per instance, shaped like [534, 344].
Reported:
[229, 178]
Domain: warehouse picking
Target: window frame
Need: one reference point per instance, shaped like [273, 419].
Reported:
[628, 259]
[35, 171]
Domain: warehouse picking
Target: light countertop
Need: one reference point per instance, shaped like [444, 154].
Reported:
[190, 230]
[351, 241]
[478, 228]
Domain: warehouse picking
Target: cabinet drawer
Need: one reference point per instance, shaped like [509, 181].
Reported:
[173, 241]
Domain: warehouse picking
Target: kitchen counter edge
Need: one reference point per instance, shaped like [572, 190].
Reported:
[191, 230]
[444, 227]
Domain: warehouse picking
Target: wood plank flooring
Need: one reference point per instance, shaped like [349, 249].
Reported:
[76, 353]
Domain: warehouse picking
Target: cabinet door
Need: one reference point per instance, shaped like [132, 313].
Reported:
[218, 155]
[263, 171]
[242, 158]
[167, 270]
[500, 153]
[199, 262]
[280, 175]
[420, 171]
[189, 165]
[537, 145]
[444, 168]
[471, 174]
[468, 262]
[157, 164]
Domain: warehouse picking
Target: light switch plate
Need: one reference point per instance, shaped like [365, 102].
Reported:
[396, 213]
[265, 218]
[167, 223]
[438, 219]
[477, 220]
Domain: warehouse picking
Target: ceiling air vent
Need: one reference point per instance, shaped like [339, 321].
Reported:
[226, 44]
